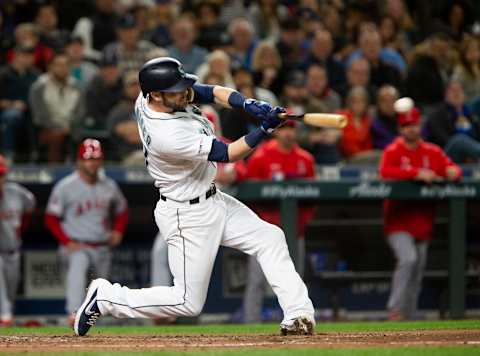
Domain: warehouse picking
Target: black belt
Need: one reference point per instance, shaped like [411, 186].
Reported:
[8, 252]
[92, 244]
[208, 194]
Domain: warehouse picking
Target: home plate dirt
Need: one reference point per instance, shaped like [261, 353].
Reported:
[99, 342]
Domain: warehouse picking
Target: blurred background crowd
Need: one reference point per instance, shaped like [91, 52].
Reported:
[68, 70]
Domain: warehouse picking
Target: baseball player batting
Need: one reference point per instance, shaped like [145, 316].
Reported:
[78, 215]
[193, 216]
[16, 207]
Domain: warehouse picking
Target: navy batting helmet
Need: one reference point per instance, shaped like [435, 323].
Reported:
[164, 74]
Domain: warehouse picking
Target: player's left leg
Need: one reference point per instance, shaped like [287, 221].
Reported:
[12, 276]
[415, 285]
[5, 304]
[101, 258]
[160, 270]
[254, 292]
[245, 231]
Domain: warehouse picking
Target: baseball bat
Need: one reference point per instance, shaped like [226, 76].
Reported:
[336, 121]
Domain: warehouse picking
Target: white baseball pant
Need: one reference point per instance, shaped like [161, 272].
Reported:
[160, 272]
[77, 264]
[411, 256]
[194, 234]
[9, 277]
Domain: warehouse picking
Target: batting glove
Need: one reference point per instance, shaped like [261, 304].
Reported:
[271, 120]
[257, 108]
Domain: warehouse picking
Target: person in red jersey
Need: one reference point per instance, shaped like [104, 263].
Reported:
[276, 160]
[408, 225]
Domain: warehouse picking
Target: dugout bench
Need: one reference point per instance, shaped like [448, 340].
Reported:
[289, 193]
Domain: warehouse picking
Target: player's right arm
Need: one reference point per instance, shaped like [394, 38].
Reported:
[239, 149]
[230, 98]
[54, 211]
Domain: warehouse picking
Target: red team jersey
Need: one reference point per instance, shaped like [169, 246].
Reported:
[270, 163]
[401, 163]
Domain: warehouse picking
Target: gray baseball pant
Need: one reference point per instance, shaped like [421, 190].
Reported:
[256, 285]
[77, 265]
[9, 277]
[411, 256]
[160, 270]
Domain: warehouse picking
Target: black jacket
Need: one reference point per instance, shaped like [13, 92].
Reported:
[440, 125]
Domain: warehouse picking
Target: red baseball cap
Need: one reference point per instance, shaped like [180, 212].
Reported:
[411, 117]
[3, 165]
[90, 149]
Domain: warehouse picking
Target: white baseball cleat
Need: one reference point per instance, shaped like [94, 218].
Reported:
[88, 313]
[303, 325]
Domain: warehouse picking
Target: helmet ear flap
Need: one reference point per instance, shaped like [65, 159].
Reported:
[190, 95]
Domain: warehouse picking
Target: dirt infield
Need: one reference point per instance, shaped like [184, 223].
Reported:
[40, 343]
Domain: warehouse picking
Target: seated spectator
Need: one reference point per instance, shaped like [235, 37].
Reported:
[267, 66]
[122, 124]
[322, 143]
[321, 52]
[453, 127]
[46, 22]
[295, 94]
[244, 78]
[393, 38]
[184, 48]
[130, 51]
[243, 43]
[164, 13]
[236, 123]
[356, 143]
[264, 16]
[26, 36]
[279, 159]
[141, 13]
[218, 64]
[210, 29]
[358, 74]
[381, 71]
[55, 101]
[370, 47]
[384, 125]
[107, 85]
[98, 30]
[82, 70]
[292, 44]
[467, 72]
[16, 79]
[322, 98]
[429, 65]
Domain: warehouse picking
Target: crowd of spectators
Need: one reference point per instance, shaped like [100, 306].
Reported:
[68, 69]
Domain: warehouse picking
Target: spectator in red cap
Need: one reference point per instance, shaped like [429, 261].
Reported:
[16, 207]
[276, 160]
[79, 216]
[408, 225]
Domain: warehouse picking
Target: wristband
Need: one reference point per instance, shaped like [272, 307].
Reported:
[236, 100]
[203, 93]
[255, 137]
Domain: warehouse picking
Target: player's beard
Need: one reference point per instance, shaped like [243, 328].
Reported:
[176, 105]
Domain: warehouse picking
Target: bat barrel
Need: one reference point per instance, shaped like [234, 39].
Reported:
[337, 121]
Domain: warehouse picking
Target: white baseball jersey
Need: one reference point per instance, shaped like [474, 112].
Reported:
[85, 208]
[176, 147]
[14, 202]
[165, 138]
